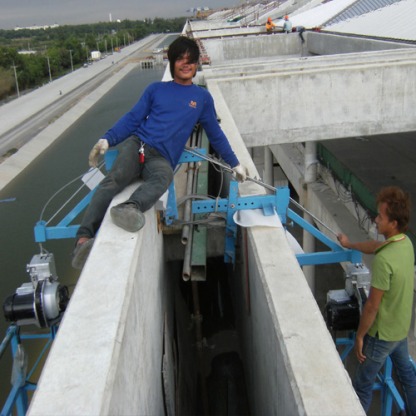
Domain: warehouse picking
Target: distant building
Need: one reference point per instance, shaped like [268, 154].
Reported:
[37, 27]
[26, 52]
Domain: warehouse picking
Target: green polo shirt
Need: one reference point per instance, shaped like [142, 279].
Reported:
[393, 272]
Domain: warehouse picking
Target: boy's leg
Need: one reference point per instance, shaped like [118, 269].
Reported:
[157, 175]
[126, 168]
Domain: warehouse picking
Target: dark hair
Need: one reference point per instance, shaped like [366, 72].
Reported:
[398, 205]
[182, 46]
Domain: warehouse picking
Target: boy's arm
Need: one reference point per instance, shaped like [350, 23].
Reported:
[366, 247]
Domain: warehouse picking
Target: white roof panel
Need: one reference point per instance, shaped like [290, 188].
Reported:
[317, 16]
[396, 21]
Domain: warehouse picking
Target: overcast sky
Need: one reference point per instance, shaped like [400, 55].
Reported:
[46, 12]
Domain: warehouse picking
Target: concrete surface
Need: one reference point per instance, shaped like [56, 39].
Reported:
[321, 98]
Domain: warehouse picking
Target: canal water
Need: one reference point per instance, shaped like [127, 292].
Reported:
[63, 161]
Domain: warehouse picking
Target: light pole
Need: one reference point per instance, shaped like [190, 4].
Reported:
[49, 68]
[70, 57]
[15, 77]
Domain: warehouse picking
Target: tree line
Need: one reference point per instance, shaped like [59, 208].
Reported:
[30, 58]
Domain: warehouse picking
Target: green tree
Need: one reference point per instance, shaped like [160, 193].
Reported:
[33, 72]
[7, 83]
[56, 44]
[9, 57]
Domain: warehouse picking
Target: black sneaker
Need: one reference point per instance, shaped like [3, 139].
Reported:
[80, 254]
[128, 217]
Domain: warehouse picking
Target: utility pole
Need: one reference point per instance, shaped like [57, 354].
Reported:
[49, 68]
[70, 57]
[15, 77]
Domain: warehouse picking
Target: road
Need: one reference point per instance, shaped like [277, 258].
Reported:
[29, 114]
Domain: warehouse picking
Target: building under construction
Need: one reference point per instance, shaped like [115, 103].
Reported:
[217, 306]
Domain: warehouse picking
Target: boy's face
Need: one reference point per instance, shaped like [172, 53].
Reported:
[384, 225]
[184, 70]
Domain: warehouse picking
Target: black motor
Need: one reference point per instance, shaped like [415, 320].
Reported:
[40, 302]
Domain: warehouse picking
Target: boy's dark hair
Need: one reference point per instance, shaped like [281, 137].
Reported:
[182, 46]
[398, 205]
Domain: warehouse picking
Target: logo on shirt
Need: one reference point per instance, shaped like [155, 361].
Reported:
[192, 104]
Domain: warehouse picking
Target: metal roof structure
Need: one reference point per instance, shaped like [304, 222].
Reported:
[319, 15]
[386, 19]
[396, 21]
[359, 8]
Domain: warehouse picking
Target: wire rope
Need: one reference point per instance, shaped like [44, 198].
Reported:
[60, 190]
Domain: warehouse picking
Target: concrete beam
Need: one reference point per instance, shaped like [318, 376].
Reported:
[319, 98]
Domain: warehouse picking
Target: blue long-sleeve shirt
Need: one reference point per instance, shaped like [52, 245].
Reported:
[165, 116]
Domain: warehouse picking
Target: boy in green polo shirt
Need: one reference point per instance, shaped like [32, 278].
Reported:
[387, 313]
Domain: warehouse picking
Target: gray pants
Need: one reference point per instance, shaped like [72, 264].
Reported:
[156, 173]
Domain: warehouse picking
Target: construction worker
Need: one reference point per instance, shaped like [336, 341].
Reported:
[300, 30]
[269, 25]
[287, 25]
[152, 137]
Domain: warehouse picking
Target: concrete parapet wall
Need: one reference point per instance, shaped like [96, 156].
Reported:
[291, 363]
[323, 43]
[293, 366]
[106, 359]
[371, 94]
[251, 47]
[217, 32]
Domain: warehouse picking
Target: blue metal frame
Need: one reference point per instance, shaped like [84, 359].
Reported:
[63, 229]
[18, 396]
[171, 213]
[270, 204]
[338, 253]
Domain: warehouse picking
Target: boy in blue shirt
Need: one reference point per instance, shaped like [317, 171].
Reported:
[154, 133]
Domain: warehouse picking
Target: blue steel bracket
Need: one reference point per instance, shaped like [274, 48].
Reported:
[171, 212]
[337, 254]
[270, 204]
[63, 229]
